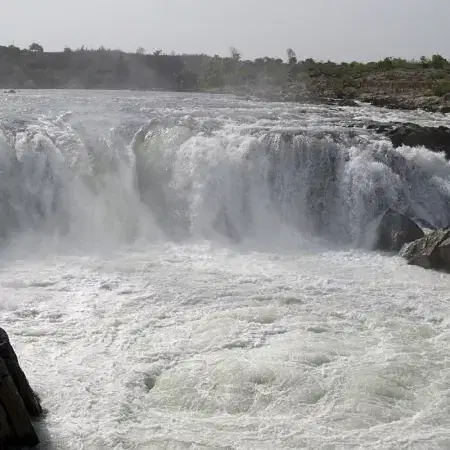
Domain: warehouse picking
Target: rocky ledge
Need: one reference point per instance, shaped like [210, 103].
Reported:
[409, 102]
[434, 138]
[19, 404]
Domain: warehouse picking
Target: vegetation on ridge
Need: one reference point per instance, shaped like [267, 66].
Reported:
[290, 79]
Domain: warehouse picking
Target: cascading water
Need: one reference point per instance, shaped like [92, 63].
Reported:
[191, 272]
[194, 180]
[62, 181]
[327, 184]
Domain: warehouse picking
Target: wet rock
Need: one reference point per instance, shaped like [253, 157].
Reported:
[430, 252]
[395, 230]
[347, 102]
[19, 404]
[433, 138]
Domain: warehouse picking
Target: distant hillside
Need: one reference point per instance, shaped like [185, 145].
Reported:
[391, 82]
[91, 69]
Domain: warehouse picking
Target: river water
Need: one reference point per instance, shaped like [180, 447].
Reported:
[194, 272]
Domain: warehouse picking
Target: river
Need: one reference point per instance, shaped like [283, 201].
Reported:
[187, 271]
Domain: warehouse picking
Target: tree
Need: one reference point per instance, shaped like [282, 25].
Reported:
[140, 51]
[386, 63]
[186, 80]
[13, 50]
[235, 53]
[424, 62]
[122, 70]
[292, 61]
[438, 62]
[291, 56]
[36, 48]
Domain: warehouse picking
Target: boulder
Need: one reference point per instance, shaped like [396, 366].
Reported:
[430, 252]
[395, 230]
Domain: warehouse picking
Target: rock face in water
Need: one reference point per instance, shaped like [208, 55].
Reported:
[430, 252]
[18, 402]
[434, 138]
[395, 230]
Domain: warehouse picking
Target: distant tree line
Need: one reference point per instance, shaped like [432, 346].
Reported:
[114, 69]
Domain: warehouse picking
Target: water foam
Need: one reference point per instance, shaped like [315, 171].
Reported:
[273, 340]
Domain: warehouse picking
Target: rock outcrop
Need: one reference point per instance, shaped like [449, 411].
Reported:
[18, 402]
[430, 252]
[434, 138]
[395, 230]
[408, 102]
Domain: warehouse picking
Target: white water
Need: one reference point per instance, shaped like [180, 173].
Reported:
[142, 326]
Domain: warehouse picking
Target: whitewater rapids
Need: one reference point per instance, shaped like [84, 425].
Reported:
[194, 272]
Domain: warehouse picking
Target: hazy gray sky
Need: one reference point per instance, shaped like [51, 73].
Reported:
[322, 29]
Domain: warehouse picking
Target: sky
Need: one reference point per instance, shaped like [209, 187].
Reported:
[340, 30]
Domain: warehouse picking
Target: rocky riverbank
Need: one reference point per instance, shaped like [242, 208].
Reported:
[429, 103]
[389, 84]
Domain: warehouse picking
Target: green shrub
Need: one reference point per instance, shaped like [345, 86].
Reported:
[441, 88]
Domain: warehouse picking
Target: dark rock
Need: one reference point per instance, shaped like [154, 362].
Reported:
[29, 397]
[395, 230]
[347, 102]
[11, 91]
[387, 101]
[445, 109]
[430, 252]
[18, 402]
[433, 138]
[340, 100]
